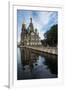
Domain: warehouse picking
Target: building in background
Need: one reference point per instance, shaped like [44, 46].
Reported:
[29, 36]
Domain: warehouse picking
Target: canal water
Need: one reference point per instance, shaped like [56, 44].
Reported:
[36, 65]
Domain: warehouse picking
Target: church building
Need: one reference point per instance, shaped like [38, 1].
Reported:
[29, 36]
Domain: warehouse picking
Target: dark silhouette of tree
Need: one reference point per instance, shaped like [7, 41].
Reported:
[51, 36]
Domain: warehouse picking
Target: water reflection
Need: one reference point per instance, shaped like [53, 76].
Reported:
[34, 65]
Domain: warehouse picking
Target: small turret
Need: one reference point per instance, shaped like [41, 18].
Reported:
[36, 30]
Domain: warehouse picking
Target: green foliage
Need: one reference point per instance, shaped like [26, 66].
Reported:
[52, 35]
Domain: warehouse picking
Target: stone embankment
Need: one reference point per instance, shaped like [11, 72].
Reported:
[50, 50]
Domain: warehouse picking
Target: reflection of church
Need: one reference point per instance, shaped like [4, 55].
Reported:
[29, 36]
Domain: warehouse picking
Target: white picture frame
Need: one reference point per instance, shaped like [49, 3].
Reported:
[13, 82]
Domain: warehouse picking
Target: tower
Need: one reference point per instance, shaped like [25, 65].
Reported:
[31, 27]
[23, 33]
[23, 26]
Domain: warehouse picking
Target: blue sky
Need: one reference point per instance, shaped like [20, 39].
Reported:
[42, 20]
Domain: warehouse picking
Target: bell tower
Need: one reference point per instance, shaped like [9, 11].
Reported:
[31, 27]
[23, 32]
[23, 26]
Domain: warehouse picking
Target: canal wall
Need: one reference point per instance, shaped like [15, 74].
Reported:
[50, 50]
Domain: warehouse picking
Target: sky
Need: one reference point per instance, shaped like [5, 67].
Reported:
[42, 20]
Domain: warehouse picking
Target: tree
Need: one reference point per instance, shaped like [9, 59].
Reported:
[52, 35]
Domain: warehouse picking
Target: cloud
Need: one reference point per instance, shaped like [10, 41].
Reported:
[43, 21]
